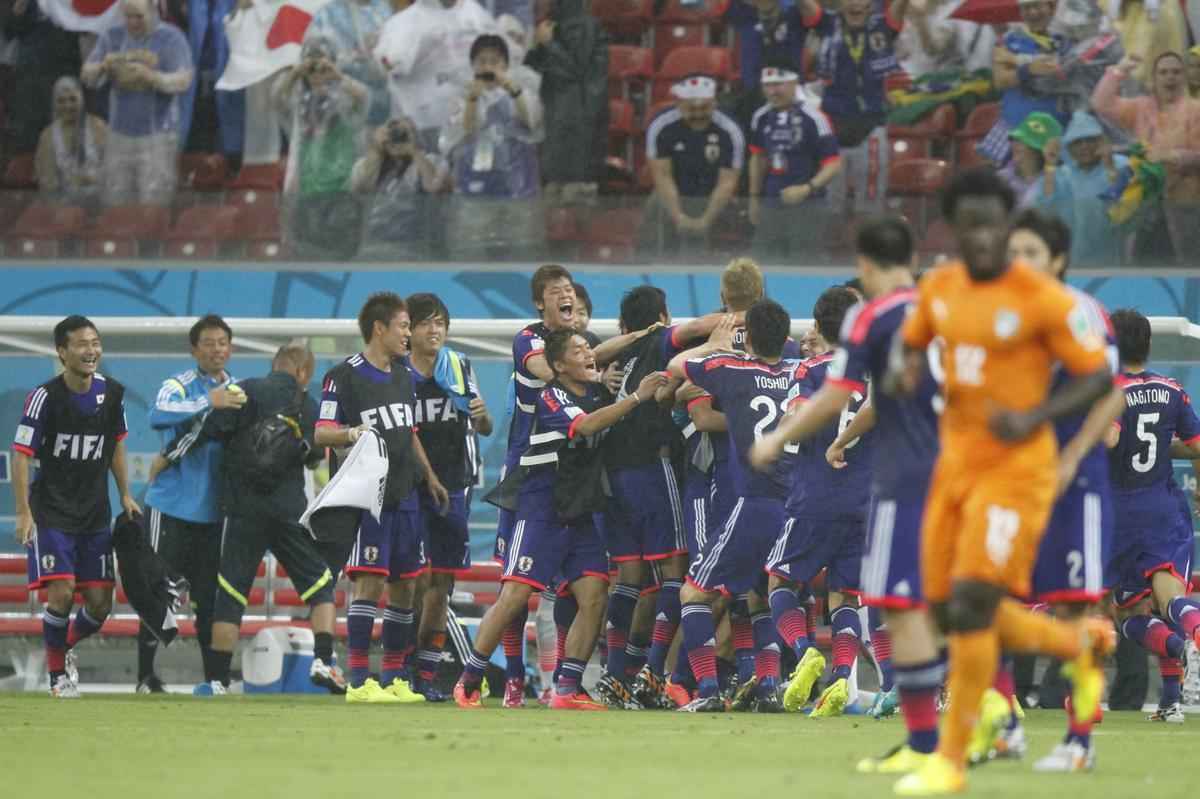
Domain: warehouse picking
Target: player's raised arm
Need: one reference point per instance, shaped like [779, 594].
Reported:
[606, 417]
[720, 340]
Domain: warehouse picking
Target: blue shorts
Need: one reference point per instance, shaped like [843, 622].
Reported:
[55, 555]
[544, 548]
[1148, 538]
[644, 518]
[805, 546]
[721, 498]
[395, 546]
[448, 535]
[891, 566]
[731, 560]
[1076, 548]
[697, 503]
[505, 522]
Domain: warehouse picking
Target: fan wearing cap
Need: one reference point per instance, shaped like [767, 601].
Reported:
[696, 155]
[1073, 189]
[768, 32]
[793, 158]
[1028, 164]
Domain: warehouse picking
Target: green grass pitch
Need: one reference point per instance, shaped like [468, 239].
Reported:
[125, 747]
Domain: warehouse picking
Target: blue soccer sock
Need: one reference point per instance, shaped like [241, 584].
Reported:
[699, 636]
[881, 647]
[742, 631]
[636, 653]
[666, 622]
[682, 673]
[570, 676]
[473, 670]
[918, 686]
[1171, 671]
[513, 641]
[1184, 612]
[360, 621]
[54, 637]
[766, 659]
[847, 632]
[790, 619]
[621, 605]
[397, 635]
[1153, 635]
[82, 627]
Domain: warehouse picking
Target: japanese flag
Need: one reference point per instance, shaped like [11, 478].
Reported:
[86, 16]
[264, 39]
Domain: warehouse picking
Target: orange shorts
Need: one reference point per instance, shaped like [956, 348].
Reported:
[984, 525]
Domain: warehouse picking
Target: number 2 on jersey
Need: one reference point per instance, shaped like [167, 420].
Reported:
[764, 403]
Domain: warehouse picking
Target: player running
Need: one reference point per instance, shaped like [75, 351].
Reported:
[1004, 326]
[74, 425]
[1153, 551]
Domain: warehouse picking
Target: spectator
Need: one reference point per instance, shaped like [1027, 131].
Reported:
[397, 175]
[261, 137]
[517, 38]
[1073, 190]
[858, 50]
[1148, 29]
[45, 52]
[1026, 52]
[696, 155]
[934, 42]
[71, 148]
[793, 159]
[492, 139]
[204, 27]
[1193, 71]
[149, 65]
[1024, 172]
[768, 32]
[1168, 122]
[352, 27]
[327, 111]
[571, 53]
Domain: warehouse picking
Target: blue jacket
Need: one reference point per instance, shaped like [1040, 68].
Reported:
[189, 492]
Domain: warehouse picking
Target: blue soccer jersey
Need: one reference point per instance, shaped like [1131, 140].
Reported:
[558, 413]
[796, 142]
[853, 64]
[1157, 409]
[527, 344]
[754, 395]
[775, 41]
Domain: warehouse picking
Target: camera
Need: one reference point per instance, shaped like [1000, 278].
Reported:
[486, 77]
[397, 135]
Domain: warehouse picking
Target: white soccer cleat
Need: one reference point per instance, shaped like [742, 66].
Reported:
[71, 666]
[64, 687]
[1171, 714]
[1191, 674]
[1067, 758]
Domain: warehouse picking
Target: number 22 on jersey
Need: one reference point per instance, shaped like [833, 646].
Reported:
[766, 406]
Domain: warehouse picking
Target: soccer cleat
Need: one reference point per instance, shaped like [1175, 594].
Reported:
[937, 776]
[371, 692]
[151, 685]
[885, 704]
[901, 759]
[1191, 674]
[427, 689]
[71, 666]
[994, 714]
[704, 704]
[833, 700]
[648, 689]
[514, 693]
[804, 677]
[742, 700]
[676, 694]
[1010, 744]
[64, 687]
[613, 692]
[328, 677]
[545, 696]
[404, 692]
[1171, 714]
[467, 698]
[210, 688]
[575, 701]
[768, 702]
[1067, 757]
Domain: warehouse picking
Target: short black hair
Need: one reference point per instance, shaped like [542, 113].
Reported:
[1133, 335]
[556, 345]
[887, 241]
[382, 306]
[768, 325]
[64, 329]
[582, 295]
[1048, 227]
[208, 322]
[980, 181]
[642, 306]
[489, 41]
[425, 305]
[545, 274]
[830, 311]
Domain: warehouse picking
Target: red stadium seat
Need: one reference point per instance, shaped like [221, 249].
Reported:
[978, 124]
[612, 235]
[713, 61]
[623, 129]
[562, 224]
[267, 177]
[41, 230]
[20, 172]
[118, 231]
[672, 36]
[627, 20]
[199, 232]
[203, 171]
[628, 66]
[918, 141]
[920, 178]
[258, 225]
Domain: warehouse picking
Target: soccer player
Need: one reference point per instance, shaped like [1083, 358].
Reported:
[555, 534]
[753, 390]
[1004, 326]
[74, 425]
[1151, 563]
[451, 414]
[374, 390]
[904, 452]
[825, 528]
[184, 520]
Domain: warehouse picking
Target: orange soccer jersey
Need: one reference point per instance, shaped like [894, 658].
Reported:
[990, 499]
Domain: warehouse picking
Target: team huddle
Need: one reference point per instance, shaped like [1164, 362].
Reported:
[946, 453]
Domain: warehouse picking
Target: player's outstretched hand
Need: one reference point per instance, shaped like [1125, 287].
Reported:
[130, 506]
[766, 451]
[649, 385]
[835, 456]
[722, 336]
[689, 392]
[1012, 425]
[227, 397]
[613, 377]
[24, 527]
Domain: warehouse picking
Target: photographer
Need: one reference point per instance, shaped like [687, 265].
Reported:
[397, 174]
[492, 141]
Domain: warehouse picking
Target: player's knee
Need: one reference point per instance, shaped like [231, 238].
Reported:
[691, 594]
[60, 595]
[98, 607]
[971, 607]
[227, 610]
[368, 587]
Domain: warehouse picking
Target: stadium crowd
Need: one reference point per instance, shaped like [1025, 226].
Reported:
[446, 129]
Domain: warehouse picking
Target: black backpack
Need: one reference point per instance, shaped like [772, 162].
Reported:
[268, 449]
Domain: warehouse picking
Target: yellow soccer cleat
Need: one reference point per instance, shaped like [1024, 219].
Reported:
[994, 713]
[937, 777]
[833, 700]
[804, 677]
[403, 692]
[370, 692]
[903, 759]
[1086, 673]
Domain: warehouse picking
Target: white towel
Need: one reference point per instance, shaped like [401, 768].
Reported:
[359, 483]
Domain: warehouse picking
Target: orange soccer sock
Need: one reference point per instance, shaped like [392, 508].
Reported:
[972, 669]
[1023, 630]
